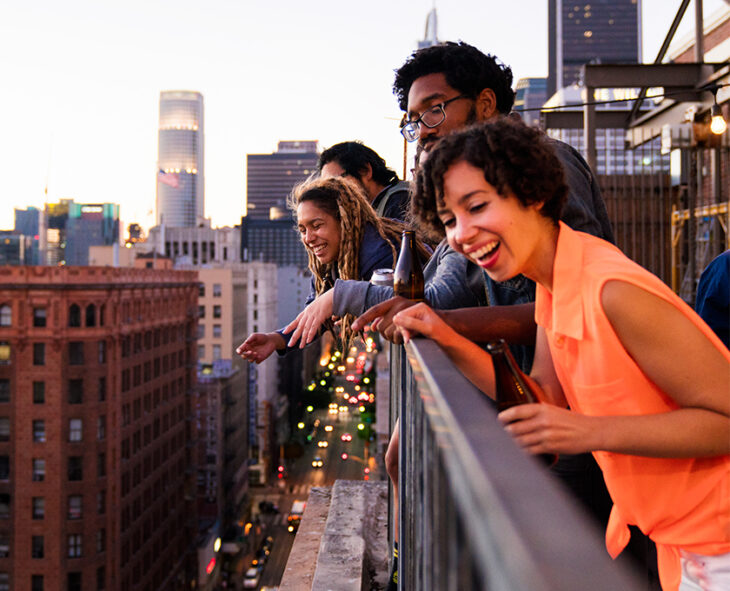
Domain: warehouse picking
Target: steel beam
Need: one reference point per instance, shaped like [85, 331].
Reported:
[668, 76]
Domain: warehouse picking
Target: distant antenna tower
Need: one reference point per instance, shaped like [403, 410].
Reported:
[430, 36]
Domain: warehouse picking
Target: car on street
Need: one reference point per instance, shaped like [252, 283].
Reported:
[251, 578]
[317, 462]
[346, 437]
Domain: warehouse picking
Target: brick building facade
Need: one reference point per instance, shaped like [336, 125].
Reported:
[97, 367]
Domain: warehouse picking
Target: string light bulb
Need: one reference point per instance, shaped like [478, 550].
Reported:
[718, 125]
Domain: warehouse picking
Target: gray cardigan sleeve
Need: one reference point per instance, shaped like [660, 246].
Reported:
[451, 282]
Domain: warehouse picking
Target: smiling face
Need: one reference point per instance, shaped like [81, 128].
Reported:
[320, 232]
[496, 232]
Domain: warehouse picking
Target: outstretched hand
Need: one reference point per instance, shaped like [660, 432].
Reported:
[258, 346]
[380, 318]
[546, 428]
[307, 324]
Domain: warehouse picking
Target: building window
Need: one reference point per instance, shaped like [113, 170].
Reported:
[73, 582]
[4, 545]
[201, 311]
[38, 507]
[101, 540]
[76, 353]
[4, 429]
[39, 392]
[36, 547]
[74, 316]
[4, 467]
[74, 545]
[75, 430]
[39, 317]
[101, 465]
[201, 351]
[217, 290]
[39, 353]
[216, 352]
[217, 312]
[4, 582]
[4, 390]
[201, 331]
[91, 315]
[101, 502]
[201, 290]
[75, 391]
[4, 506]
[75, 506]
[217, 331]
[100, 579]
[75, 468]
[39, 431]
[5, 352]
[6, 315]
[36, 583]
[101, 427]
[102, 352]
[39, 470]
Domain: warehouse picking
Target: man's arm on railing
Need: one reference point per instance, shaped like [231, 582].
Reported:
[515, 324]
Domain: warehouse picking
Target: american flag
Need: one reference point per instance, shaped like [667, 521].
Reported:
[168, 178]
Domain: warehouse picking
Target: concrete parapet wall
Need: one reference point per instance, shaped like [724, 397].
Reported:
[302, 562]
[351, 552]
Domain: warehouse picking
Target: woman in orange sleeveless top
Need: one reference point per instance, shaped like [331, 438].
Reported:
[646, 381]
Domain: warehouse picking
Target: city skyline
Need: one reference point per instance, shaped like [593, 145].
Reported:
[81, 98]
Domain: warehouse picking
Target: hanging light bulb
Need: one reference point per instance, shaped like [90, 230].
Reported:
[717, 123]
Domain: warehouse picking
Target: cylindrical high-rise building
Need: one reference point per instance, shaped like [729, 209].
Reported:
[180, 178]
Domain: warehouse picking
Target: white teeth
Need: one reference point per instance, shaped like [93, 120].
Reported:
[486, 249]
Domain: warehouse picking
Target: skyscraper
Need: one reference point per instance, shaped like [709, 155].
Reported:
[590, 31]
[90, 225]
[180, 175]
[271, 177]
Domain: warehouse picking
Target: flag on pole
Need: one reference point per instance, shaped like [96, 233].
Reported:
[168, 178]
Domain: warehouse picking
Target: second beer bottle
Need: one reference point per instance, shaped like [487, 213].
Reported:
[408, 275]
[511, 386]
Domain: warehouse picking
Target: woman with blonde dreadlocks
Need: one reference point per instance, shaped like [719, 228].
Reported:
[344, 239]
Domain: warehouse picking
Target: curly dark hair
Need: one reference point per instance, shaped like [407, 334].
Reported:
[354, 157]
[467, 70]
[515, 158]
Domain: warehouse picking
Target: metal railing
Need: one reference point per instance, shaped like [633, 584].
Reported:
[475, 511]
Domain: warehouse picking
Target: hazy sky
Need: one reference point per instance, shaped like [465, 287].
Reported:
[80, 83]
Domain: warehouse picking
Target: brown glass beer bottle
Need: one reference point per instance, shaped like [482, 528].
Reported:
[408, 275]
[511, 385]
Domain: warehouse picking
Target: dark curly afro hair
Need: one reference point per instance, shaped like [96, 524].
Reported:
[515, 158]
[466, 69]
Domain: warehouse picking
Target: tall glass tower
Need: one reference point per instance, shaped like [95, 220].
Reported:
[590, 31]
[180, 178]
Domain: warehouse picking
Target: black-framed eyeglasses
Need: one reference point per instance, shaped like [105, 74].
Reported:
[431, 117]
